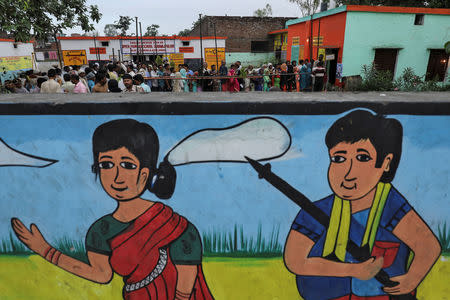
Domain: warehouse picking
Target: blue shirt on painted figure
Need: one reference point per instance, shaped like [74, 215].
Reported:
[325, 288]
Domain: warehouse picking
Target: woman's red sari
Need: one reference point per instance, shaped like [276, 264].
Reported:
[136, 254]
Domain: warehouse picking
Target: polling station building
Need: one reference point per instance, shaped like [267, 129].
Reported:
[81, 50]
[393, 38]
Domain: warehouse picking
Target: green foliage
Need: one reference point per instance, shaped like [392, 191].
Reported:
[237, 244]
[123, 24]
[444, 236]
[263, 12]
[307, 7]
[25, 19]
[184, 32]
[187, 31]
[376, 80]
[152, 30]
[408, 81]
[159, 60]
[111, 30]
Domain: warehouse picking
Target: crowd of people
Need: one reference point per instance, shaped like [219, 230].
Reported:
[130, 77]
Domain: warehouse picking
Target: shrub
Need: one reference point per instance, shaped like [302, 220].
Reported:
[376, 80]
[408, 81]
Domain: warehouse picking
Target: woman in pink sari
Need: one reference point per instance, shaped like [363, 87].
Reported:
[233, 84]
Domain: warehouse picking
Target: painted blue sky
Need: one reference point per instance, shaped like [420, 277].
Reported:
[64, 199]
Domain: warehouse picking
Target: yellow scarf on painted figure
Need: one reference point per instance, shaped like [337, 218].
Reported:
[339, 228]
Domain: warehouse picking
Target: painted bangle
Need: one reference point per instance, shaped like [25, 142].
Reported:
[46, 251]
[56, 257]
[50, 254]
[181, 296]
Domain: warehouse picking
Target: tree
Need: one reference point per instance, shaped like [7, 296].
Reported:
[263, 12]
[187, 31]
[307, 7]
[123, 24]
[25, 19]
[184, 32]
[111, 30]
[152, 30]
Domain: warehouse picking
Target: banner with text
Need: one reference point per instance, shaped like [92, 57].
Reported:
[210, 56]
[74, 57]
[148, 46]
[14, 63]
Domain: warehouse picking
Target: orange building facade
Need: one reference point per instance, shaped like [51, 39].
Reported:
[322, 35]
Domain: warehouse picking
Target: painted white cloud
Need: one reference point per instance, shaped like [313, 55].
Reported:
[12, 157]
[260, 139]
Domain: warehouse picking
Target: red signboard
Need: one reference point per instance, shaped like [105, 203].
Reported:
[186, 49]
[97, 50]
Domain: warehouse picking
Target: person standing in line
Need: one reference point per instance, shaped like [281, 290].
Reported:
[68, 86]
[139, 81]
[79, 88]
[51, 86]
[153, 74]
[223, 71]
[161, 82]
[319, 73]
[101, 84]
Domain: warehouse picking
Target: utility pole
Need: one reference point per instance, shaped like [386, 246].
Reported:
[58, 46]
[96, 50]
[215, 42]
[142, 43]
[137, 41]
[201, 46]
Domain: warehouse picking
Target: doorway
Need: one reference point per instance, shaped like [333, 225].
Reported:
[332, 53]
[437, 65]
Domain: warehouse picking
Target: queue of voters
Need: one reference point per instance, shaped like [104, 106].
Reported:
[131, 77]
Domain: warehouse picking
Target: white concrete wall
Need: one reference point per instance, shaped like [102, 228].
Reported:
[80, 44]
[196, 44]
[86, 44]
[23, 49]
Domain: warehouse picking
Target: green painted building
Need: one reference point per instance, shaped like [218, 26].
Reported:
[393, 38]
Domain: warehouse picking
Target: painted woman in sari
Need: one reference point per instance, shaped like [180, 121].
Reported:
[155, 250]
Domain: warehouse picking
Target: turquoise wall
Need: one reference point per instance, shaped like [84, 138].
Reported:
[247, 58]
[366, 31]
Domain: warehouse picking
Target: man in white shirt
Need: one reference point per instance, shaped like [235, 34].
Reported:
[51, 86]
[67, 86]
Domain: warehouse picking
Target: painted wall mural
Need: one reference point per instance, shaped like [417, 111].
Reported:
[352, 205]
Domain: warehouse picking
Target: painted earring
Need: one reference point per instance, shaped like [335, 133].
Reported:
[153, 181]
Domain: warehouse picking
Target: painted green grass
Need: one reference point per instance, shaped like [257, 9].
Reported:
[216, 243]
[236, 243]
[12, 246]
[443, 235]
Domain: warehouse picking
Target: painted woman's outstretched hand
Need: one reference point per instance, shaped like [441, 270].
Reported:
[32, 238]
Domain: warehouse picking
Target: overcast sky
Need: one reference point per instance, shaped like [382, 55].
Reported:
[174, 16]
